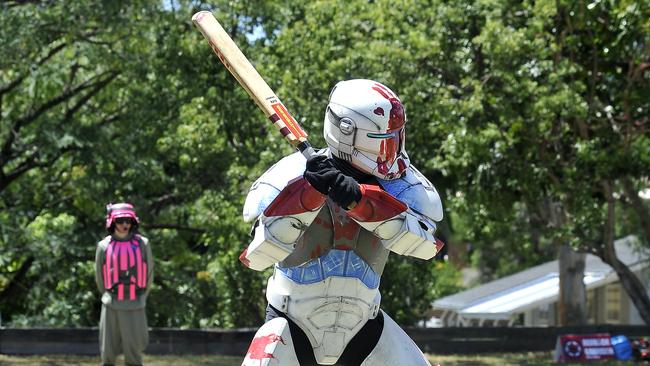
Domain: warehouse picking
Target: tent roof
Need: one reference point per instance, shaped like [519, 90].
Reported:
[536, 286]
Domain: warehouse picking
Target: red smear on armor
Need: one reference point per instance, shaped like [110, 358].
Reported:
[379, 111]
[243, 259]
[138, 259]
[344, 228]
[316, 252]
[343, 247]
[144, 275]
[439, 245]
[376, 205]
[297, 197]
[323, 223]
[257, 349]
[375, 242]
[347, 230]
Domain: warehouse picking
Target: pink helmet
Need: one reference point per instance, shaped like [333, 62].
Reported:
[117, 210]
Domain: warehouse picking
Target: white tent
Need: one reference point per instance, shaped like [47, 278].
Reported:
[503, 301]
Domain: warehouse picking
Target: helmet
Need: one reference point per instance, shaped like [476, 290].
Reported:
[364, 125]
[117, 210]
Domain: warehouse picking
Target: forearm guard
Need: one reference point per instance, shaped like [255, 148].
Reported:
[278, 229]
[401, 229]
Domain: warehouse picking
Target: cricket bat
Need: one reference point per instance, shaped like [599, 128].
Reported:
[248, 77]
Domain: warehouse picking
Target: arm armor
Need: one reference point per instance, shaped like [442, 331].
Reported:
[283, 222]
[401, 229]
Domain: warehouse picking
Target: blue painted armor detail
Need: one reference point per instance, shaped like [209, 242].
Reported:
[337, 262]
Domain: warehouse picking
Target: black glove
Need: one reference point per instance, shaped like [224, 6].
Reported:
[327, 179]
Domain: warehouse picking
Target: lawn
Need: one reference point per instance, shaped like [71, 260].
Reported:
[502, 359]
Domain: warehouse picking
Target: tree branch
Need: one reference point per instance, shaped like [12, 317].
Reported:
[30, 163]
[6, 152]
[175, 227]
[15, 286]
[638, 206]
[12, 84]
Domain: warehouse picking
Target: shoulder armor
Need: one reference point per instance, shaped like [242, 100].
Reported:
[271, 183]
[417, 192]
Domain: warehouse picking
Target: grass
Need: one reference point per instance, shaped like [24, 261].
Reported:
[500, 359]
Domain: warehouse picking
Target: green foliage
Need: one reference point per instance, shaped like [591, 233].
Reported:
[516, 111]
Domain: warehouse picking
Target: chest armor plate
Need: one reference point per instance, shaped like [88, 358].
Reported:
[333, 229]
[125, 268]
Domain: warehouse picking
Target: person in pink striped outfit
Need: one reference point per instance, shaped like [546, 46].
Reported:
[123, 272]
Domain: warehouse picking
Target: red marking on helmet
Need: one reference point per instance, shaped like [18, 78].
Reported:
[383, 90]
[379, 111]
[257, 349]
[382, 166]
[401, 165]
[389, 148]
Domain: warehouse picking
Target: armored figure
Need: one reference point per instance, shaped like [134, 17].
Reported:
[327, 225]
[123, 272]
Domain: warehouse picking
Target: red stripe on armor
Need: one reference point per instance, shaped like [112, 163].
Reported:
[129, 247]
[105, 278]
[132, 289]
[120, 292]
[114, 263]
[297, 197]
[123, 257]
[138, 257]
[108, 262]
[144, 275]
[376, 205]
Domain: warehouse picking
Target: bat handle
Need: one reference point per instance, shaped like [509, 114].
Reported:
[306, 149]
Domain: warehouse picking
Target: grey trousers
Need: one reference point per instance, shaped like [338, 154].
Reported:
[123, 331]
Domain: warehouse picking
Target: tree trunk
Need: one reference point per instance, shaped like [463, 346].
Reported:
[573, 295]
[16, 286]
[633, 286]
[630, 282]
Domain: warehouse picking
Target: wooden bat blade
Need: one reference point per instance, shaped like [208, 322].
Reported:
[248, 77]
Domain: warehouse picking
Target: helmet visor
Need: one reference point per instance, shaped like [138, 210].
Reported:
[390, 144]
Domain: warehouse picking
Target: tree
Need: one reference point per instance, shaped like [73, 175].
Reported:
[552, 108]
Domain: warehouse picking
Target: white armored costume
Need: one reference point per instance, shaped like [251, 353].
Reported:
[328, 224]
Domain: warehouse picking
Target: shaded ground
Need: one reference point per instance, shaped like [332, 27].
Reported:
[508, 359]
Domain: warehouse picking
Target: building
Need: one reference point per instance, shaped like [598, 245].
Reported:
[529, 298]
